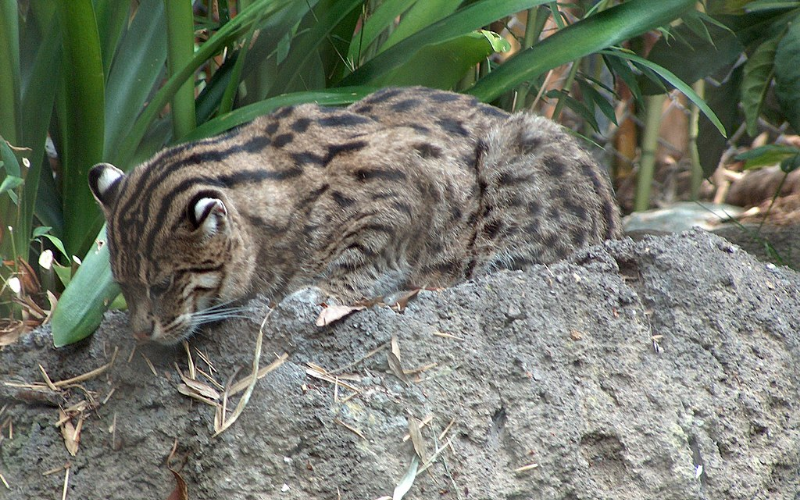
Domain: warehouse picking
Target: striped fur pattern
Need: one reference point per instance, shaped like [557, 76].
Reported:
[405, 188]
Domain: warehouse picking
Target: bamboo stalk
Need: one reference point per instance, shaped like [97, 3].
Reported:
[694, 121]
[647, 161]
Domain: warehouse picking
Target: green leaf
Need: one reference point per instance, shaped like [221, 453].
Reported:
[595, 98]
[333, 53]
[64, 273]
[695, 24]
[180, 49]
[376, 23]
[304, 52]
[791, 164]
[421, 15]
[58, 244]
[768, 5]
[723, 100]
[237, 27]
[9, 161]
[15, 243]
[606, 28]
[272, 44]
[134, 74]
[622, 70]
[576, 106]
[452, 58]
[40, 231]
[80, 309]
[9, 70]
[768, 155]
[82, 119]
[675, 82]
[112, 18]
[234, 75]
[695, 56]
[499, 44]
[40, 52]
[329, 97]
[463, 21]
[10, 183]
[758, 72]
[787, 74]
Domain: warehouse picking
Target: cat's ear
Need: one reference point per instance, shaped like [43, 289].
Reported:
[104, 181]
[207, 213]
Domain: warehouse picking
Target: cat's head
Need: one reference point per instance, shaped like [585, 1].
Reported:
[174, 249]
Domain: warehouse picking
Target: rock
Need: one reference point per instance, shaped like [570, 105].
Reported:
[660, 369]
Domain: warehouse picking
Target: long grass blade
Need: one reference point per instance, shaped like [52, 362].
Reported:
[41, 52]
[465, 20]
[329, 97]
[180, 49]
[376, 23]
[421, 15]
[82, 121]
[136, 71]
[305, 47]
[9, 70]
[231, 31]
[592, 34]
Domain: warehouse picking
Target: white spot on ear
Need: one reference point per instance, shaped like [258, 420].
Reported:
[206, 280]
[102, 178]
[108, 176]
[210, 214]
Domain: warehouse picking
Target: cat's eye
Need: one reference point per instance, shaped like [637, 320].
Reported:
[161, 287]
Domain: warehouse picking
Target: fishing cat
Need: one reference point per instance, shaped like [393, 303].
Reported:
[408, 187]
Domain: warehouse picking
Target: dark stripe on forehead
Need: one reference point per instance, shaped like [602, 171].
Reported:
[221, 181]
[141, 191]
[168, 155]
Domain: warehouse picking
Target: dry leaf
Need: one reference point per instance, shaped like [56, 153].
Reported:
[416, 438]
[200, 388]
[70, 433]
[407, 481]
[10, 330]
[181, 491]
[395, 347]
[334, 313]
[393, 359]
[27, 276]
[396, 367]
[402, 302]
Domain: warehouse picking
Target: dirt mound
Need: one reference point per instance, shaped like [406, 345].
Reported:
[660, 369]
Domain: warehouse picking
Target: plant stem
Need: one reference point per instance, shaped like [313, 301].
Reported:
[567, 86]
[537, 17]
[9, 70]
[653, 107]
[180, 50]
[694, 120]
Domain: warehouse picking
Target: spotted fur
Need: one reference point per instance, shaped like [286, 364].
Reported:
[408, 187]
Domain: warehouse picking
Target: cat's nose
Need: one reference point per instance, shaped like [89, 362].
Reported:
[143, 326]
[143, 335]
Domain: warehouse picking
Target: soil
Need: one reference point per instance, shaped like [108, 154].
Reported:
[664, 368]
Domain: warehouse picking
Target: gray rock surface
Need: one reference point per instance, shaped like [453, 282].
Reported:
[665, 369]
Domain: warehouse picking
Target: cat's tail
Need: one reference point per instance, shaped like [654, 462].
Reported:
[542, 196]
